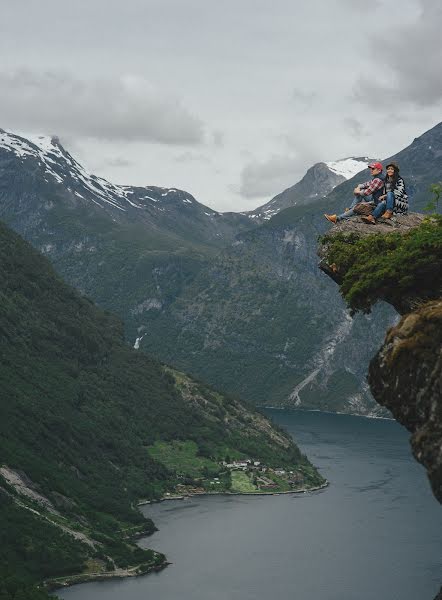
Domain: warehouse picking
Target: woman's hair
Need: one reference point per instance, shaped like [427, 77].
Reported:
[396, 171]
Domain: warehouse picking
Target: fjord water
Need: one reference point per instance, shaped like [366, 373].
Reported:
[374, 533]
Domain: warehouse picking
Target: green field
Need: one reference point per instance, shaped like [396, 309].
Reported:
[181, 457]
[241, 482]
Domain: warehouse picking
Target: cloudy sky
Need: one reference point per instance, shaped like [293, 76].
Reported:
[231, 101]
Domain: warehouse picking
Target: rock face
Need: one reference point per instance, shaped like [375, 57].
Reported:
[405, 376]
[263, 323]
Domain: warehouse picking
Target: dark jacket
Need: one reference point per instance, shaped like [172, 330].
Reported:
[400, 197]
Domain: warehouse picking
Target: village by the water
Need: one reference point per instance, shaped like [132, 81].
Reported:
[247, 476]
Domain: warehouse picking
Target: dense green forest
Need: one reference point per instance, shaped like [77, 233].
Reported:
[79, 410]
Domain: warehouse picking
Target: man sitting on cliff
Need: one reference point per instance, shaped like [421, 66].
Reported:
[368, 192]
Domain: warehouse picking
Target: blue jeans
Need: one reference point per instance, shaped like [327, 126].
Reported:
[356, 199]
[387, 204]
[350, 212]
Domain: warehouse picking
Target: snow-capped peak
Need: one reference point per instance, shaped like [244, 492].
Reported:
[44, 142]
[60, 166]
[32, 145]
[348, 167]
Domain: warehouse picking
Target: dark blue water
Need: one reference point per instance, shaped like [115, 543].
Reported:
[374, 534]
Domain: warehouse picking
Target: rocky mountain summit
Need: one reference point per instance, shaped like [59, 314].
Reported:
[41, 183]
[405, 375]
[129, 248]
[319, 181]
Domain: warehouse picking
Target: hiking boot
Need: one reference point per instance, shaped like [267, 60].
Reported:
[331, 218]
[369, 219]
[387, 214]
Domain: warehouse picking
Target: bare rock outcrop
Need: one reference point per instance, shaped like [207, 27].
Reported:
[405, 376]
[356, 227]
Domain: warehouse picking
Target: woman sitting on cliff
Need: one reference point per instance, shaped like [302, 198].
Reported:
[394, 199]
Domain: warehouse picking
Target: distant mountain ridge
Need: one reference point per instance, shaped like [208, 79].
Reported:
[227, 298]
[42, 162]
[263, 322]
[319, 181]
[120, 245]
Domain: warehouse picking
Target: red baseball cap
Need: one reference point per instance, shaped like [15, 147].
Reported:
[376, 165]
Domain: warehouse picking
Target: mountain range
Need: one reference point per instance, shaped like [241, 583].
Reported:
[235, 299]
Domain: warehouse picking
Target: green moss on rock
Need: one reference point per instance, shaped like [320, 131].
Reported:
[401, 268]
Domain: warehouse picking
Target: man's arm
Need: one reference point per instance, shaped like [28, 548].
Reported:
[366, 189]
[361, 186]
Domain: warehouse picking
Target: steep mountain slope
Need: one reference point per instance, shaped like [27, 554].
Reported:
[46, 181]
[257, 318]
[319, 180]
[117, 244]
[81, 414]
[262, 322]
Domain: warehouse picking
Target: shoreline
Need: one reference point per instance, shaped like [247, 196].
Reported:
[326, 412]
[260, 493]
[52, 585]
[59, 583]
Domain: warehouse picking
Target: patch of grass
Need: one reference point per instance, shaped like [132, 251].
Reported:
[94, 565]
[181, 457]
[241, 482]
[283, 485]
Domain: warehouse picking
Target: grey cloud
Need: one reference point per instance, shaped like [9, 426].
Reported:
[119, 162]
[127, 108]
[304, 98]
[189, 157]
[409, 64]
[361, 4]
[354, 126]
[218, 138]
[259, 179]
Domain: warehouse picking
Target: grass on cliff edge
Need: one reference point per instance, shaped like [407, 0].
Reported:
[388, 266]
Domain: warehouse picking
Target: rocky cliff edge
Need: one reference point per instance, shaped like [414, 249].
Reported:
[405, 375]
[399, 261]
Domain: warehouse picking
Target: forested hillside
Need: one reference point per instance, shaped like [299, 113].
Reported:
[79, 412]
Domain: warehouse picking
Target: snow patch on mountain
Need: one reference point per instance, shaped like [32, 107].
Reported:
[59, 165]
[348, 167]
[318, 181]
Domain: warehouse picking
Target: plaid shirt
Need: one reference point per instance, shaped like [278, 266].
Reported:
[369, 187]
